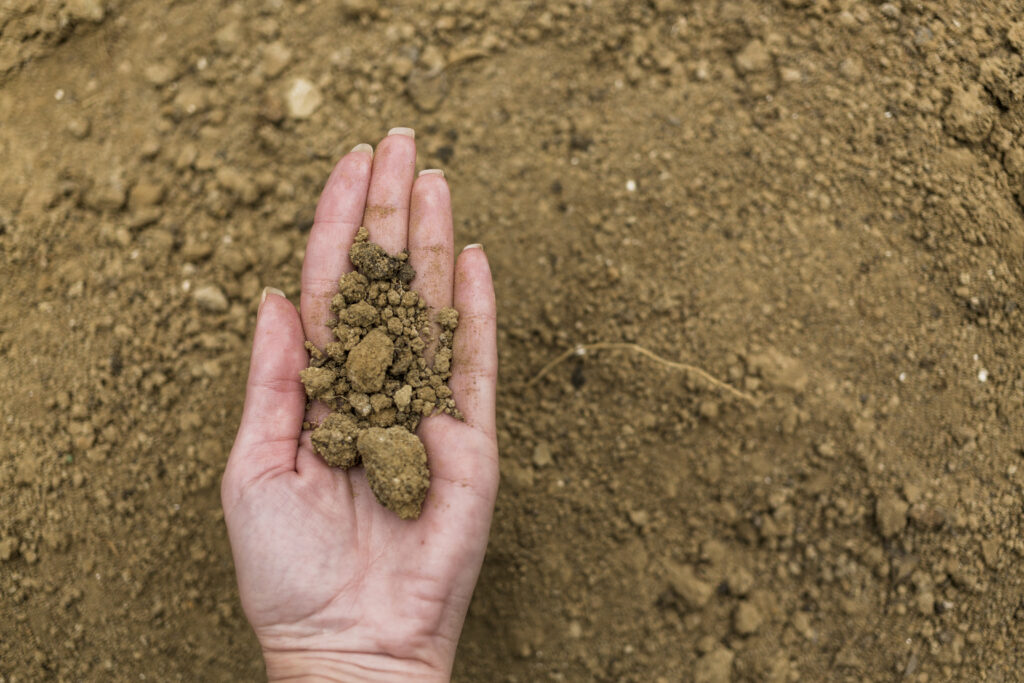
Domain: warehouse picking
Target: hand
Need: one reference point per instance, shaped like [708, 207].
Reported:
[335, 585]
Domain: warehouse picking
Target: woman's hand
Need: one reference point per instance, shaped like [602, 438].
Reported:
[335, 585]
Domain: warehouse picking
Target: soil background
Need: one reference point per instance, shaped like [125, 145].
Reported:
[818, 201]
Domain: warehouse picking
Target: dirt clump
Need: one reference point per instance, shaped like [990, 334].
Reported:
[335, 440]
[396, 467]
[376, 378]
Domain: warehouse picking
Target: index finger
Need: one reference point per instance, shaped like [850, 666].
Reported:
[338, 216]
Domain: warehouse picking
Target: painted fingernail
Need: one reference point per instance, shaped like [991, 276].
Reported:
[473, 246]
[269, 290]
[432, 171]
[363, 147]
[408, 132]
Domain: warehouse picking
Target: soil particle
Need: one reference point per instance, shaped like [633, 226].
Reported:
[891, 514]
[145, 194]
[238, 184]
[319, 383]
[85, 10]
[276, 57]
[747, 618]
[714, 667]
[374, 263]
[754, 58]
[518, 477]
[361, 314]
[8, 549]
[335, 440]
[376, 377]
[108, 195]
[779, 370]
[990, 552]
[739, 581]
[79, 128]
[396, 468]
[369, 361]
[968, 117]
[26, 470]
[403, 396]
[427, 88]
[1013, 162]
[302, 99]
[685, 584]
[542, 455]
[1015, 36]
[211, 298]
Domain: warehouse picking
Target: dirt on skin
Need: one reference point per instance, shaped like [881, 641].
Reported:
[385, 371]
[820, 202]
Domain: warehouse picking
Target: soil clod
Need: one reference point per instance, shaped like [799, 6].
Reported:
[396, 468]
[377, 381]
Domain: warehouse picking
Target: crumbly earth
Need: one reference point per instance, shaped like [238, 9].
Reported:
[377, 373]
[817, 201]
[396, 468]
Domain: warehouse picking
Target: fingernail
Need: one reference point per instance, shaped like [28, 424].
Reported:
[473, 246]
[408, 132]
[269, 290]
[363, 147]
[432, 171]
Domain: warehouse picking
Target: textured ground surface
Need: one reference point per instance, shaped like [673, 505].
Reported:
[818, 201]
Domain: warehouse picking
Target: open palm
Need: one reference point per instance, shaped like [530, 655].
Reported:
[334, 584]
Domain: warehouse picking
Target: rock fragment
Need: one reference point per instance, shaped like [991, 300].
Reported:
[302, 99]
[211, 298]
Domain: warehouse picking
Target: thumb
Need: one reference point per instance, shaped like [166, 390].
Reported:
[275, 400]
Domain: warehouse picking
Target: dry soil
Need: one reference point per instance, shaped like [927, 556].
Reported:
[817, 201]
[376, 379]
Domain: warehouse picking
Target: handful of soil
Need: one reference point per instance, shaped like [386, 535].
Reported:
[376, 378]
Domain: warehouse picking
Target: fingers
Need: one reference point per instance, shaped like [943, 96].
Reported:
[475, 363]
[431, 243]
[275, 400]
[338, 216]
[387, 203]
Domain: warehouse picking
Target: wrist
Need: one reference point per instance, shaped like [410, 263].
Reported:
[354, 667]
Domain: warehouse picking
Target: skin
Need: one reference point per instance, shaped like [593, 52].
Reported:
[335, 586]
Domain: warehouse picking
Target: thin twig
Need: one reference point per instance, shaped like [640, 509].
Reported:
[582, 349]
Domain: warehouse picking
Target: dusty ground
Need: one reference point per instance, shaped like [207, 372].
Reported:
[818, 201]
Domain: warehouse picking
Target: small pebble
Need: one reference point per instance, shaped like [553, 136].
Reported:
[302, 99]
[211, 298]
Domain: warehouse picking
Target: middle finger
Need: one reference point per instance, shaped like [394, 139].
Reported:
[387, 202]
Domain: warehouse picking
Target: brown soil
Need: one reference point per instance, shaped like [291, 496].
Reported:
[817, 201]
[396, 468]
[375, 377]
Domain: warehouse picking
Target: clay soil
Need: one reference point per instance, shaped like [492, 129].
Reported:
[816, 201]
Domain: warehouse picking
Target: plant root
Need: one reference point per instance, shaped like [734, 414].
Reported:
[583, 349]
